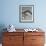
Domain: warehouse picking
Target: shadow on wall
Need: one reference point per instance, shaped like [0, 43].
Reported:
[2, 26]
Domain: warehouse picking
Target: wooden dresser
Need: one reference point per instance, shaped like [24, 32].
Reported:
[23, 38]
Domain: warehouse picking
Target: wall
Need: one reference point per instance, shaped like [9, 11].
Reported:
[9, 13]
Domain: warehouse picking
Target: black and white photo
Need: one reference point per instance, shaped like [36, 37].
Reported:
[26, 13]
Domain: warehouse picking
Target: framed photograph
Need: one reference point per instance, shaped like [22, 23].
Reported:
[26, 13]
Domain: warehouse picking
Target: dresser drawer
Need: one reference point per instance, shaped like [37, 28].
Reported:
[13, 33]
[37, 44]
[12, 39]
[13, 44]
[34, 33]
[27, 41]
[37, 39]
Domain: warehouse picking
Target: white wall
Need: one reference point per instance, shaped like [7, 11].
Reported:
[10, 13]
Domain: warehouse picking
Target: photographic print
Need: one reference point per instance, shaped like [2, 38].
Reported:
[26, 13]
